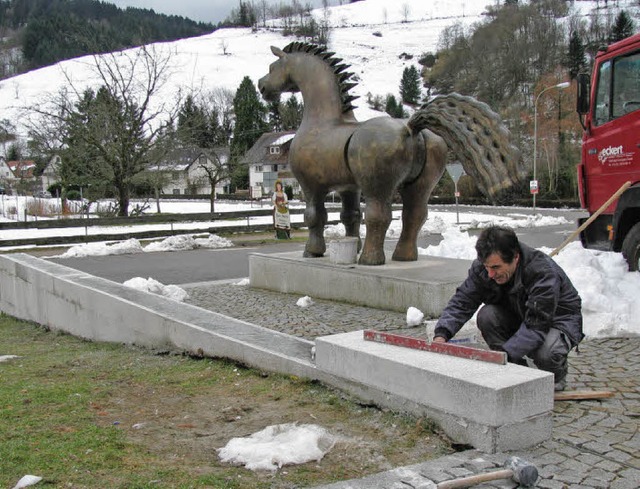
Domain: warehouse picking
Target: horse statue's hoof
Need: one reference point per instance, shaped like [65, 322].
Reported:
[309, 254]
[404, 257]
[371, 259]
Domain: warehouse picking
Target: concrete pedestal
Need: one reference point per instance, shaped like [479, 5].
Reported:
[427, 284]
[492, 407]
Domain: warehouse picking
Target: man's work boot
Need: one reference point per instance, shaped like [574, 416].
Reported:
[560, 377]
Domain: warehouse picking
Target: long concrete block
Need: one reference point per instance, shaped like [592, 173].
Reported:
[494, 407]
[427, 284]
[97, 309]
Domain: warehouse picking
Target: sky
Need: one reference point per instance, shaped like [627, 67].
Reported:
[212, 11]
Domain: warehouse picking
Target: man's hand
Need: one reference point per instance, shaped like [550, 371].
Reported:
[439, 339]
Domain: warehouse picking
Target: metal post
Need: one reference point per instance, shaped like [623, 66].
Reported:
[455, 187]
[535, 134]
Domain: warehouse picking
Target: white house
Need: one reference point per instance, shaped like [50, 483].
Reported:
[268, 161]
[189, 171]
[50, 173]
[6, 175]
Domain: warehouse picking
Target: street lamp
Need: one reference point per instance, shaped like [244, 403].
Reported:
[534, 186]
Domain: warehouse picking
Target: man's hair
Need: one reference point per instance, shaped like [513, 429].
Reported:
[497, 239]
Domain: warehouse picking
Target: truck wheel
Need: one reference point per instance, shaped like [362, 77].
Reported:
[631, 248]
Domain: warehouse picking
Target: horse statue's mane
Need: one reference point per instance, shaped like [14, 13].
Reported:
[339, 69]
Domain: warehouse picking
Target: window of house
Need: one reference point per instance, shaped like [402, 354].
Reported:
[176, 191]
[259, 169]
[274, 150]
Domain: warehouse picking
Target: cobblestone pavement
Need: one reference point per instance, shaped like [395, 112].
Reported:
[595, 444]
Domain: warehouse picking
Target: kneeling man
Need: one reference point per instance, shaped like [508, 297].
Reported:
[531, 308]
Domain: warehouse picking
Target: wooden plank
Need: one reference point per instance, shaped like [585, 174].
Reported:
[582, 395]
[467, 352]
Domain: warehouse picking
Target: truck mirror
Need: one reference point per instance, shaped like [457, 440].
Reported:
[584, 85]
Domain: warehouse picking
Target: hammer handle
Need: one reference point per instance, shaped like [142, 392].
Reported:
[476, 479]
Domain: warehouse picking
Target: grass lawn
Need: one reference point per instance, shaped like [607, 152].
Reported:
[83, 414]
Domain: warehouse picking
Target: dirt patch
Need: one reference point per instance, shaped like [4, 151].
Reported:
[190, 428]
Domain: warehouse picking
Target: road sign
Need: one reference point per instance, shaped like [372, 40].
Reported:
[533, 186]
[455, 171]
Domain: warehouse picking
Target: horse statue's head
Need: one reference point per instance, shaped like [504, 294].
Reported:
[278, 79]
[312, 70]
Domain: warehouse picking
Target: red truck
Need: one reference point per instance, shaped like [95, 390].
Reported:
[609, 107]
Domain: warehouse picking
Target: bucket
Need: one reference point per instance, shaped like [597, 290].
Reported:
[343, 251]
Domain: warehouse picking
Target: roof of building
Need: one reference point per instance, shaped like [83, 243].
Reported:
[259, 154]
[182, 158]
[22, 168]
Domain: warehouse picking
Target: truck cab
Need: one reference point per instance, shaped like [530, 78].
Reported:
[609, 108]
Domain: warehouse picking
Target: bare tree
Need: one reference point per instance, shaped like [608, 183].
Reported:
[405, 11]
[125, 118]
[214, 169]
[224, 45]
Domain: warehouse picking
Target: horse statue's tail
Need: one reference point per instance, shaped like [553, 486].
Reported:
[476, 136]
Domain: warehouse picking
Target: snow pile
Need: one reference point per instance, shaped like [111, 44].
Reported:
[101, 249]
[527, 221]
[455, 244]
[6, 358]
[278, 445]
[608, 290]
[185, 242]
[27, 480]
[305, 301]
[182, 242]
[154, 287]
[414, 316]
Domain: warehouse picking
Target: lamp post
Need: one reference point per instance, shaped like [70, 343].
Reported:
[534, 182]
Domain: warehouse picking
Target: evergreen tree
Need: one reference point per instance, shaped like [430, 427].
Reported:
[622, 28]
[410, 90]
[393, 108]
[291, 113]
[250, 124]
[275, 118]
[193, 125]
[49, 31]
[576, 58]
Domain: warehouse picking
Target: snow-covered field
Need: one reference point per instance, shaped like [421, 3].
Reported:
[372, 36]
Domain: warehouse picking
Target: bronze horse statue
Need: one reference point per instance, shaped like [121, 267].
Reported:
[381, 156]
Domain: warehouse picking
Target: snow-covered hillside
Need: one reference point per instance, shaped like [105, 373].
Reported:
[370, 35]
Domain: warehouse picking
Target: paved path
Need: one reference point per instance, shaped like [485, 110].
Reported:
[595, 444]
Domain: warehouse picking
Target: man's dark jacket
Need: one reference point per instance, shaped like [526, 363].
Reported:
[540, 293]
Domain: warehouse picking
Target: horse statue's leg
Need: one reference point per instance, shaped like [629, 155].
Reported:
[315, 217]
[377, 217]
[415, 196]
[350, 216]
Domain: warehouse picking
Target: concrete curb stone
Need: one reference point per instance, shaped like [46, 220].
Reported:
[595, 444]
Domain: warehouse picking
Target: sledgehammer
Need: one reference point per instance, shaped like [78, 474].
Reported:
[517, 469]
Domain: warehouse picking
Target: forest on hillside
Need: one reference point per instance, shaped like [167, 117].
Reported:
[36, 33]
[520, 50]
